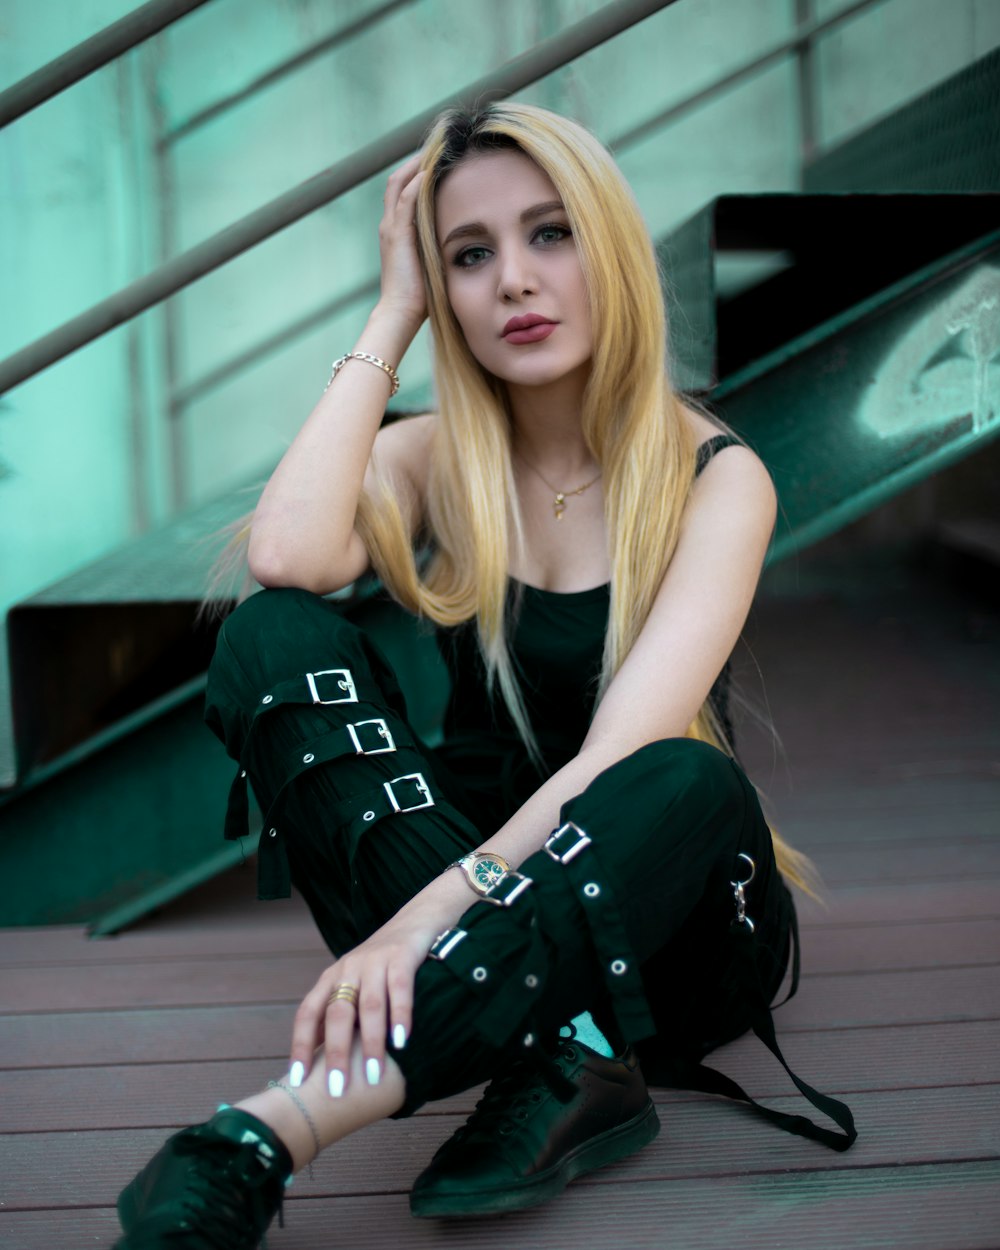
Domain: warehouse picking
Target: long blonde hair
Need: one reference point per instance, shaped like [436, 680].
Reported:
[632, 420]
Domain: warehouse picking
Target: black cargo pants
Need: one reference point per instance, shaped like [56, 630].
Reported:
[629, 910]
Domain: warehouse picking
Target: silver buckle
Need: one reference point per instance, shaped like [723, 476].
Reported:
[445, 943]
[563, 857]
[383, 730]
[345, 682]
[422, 788]
[499, 896]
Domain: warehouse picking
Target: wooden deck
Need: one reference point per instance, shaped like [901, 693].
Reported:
[887, 700]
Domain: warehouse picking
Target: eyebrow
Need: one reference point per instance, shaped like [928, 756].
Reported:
[529, 214]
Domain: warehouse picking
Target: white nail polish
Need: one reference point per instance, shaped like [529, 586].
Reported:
[297, 1074]
[335, 1083]
[399, 1036]
[372, 1072]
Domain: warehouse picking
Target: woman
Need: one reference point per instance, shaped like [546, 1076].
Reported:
[582, 848]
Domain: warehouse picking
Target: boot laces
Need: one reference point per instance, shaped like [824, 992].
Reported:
[508, 1099]
[226, 1196]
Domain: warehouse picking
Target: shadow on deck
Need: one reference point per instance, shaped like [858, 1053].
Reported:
[886, 694]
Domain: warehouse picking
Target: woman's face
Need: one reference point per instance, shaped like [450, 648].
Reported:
[512, 269]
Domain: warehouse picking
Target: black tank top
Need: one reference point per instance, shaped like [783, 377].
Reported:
[556, 643]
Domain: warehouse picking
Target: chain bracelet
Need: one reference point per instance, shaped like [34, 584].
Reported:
[305, 1112]
[368, 358]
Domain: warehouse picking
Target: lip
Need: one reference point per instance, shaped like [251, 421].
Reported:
[531, 328]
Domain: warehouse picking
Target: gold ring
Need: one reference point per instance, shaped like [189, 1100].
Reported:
[344, 993]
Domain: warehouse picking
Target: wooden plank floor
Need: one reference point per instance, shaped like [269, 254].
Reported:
[887, 699]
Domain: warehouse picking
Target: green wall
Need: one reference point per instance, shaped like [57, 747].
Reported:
[126, 168]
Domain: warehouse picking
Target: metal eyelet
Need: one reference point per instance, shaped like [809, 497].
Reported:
[268, 698]
[368, 816]
[531, 981]
[591, 889]
[308, 759]
[272, 833]
[479, 974]
[619, 967]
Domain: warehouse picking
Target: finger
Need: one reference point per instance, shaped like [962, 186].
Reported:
[412, 188]
[400, 213]
[372, 1024]
[406, 206]
[340, 1017]
[400, 990]
[400, 177]
[309, 1025]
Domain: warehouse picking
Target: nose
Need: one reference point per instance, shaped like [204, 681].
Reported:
[516, 277]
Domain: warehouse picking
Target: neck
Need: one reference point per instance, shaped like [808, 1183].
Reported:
[547, 429]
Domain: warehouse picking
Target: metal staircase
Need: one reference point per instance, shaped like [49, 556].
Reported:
[853, 339]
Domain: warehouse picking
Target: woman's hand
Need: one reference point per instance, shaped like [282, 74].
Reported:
[403, 289]
[382, 969]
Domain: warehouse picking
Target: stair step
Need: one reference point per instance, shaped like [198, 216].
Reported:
[750, 273]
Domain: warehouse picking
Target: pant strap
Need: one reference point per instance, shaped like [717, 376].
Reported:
[681, 1073]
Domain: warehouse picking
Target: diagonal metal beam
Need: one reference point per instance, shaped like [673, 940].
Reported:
[91, 54]
[802, 39]
[290, 66]
[806, 33]
[549, 55]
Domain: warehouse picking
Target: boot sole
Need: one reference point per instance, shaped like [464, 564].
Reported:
[128, 1212]
[609, 1147]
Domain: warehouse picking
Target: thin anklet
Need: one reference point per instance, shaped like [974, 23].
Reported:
[305, 1112]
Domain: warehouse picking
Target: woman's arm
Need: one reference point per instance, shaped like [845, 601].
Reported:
[691, 630]
[303, 531]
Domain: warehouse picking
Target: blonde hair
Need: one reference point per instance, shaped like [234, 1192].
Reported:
[632, 421]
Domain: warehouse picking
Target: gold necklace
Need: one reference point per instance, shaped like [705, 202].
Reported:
[559, 496]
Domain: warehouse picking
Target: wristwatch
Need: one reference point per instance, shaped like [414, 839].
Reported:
[483, 869]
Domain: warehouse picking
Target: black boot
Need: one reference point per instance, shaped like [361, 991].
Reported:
[523, 1145]
[216, 1186]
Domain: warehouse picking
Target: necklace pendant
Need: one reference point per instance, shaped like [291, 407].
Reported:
[559, 505]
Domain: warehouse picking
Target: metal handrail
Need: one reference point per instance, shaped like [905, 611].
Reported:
[289, 66]
[545, 57]
[805, 34]
[802, 38]
[187, 394]
[91, 54]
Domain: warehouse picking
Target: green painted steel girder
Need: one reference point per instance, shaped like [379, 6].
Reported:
[880, 397]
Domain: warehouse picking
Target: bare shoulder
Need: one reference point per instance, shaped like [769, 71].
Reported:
[731, 467]
[403, 448]
[734, 486]
[412, 433]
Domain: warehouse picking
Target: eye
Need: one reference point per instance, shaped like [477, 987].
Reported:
[469, 256]
[552, 232]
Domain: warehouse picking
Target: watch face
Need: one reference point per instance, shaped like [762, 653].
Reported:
[488, 872]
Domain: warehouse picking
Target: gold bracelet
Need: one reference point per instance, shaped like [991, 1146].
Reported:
[379, 363]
